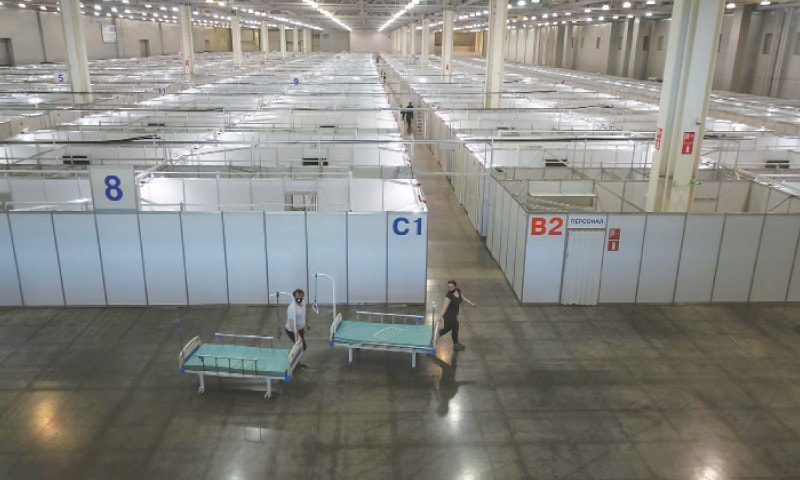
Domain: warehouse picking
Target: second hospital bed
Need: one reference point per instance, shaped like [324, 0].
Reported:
[384, 331]
[239, 361]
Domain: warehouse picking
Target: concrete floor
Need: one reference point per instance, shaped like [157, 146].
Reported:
[705, 392]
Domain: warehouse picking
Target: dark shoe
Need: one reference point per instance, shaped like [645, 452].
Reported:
[302, 366]
[458, 346]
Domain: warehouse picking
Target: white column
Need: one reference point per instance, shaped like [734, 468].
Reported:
[295, 43]
[403, 42]
[447, 44]
[187, 40]
[498, 10]
[688, 74]
[413, 30]
[236, 40]
[282, 30]
[308, 41]
[75, 42]
[637, 60]
[426, 40]
[264, 39]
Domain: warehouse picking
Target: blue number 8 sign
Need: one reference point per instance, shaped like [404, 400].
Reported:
[113, 192]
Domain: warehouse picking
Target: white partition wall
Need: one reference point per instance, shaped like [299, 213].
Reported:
[37, 260]
[10, 294]
[366, 257]
[660, 255]
[162, 252]
[519, 260]
[287, 264]
[621, 260]
[737, 257]
[407, 250]
[544, 258]
[204, 251]
[121, 252]
[246, 257]
[79, 257]
[794, 284]
[701, 238]
[327, 253]
[773, 271]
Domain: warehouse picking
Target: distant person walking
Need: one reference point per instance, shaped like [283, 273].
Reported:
[450, 307]
[408, 115]
[296, 324]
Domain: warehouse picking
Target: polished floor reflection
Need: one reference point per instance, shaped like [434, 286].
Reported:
[705, 392]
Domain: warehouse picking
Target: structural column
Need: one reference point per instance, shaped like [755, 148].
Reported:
[187, 40]
[426, 40]
[264, 39]
[403, 42]
[236, 40]
[688, 74]
[733, 68]
[282, 31]
[637, 56]
[309, 41]
[75, 42]
[493, 91]
[295, 42]
[447, 44]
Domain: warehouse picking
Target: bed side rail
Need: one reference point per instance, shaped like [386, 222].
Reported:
[334, 327]
[294, 358]
[228, 362]
[377, 317]
[222, 337]
[187, 351]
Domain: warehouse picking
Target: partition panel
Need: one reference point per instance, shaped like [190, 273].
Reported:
[701, 238]
[246, 257]
[544, 258]
[621, 260]
[62, 190]
[497, 221]
[510, 241]
[773, 272]
[493, 188]
[794, 283]
[327, 253]
[663, 233]
[366, 194]
[502, 241]
[162, 252]
[287, 265]
[366, 257]
[235, 194]
[121, 253]
[407, 256]
[37, 260]
[27, 190]
[519, 256]
[737, 256]
[201, 194]
[204, 252]
[10, 293]
[79, 257]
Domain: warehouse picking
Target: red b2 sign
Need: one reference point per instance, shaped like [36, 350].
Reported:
[539, 226]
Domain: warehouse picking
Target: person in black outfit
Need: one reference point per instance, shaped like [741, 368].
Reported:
[408, 115]
[452, 302]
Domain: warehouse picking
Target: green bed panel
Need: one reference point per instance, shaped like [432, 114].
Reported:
[271, 361]
[417, 336]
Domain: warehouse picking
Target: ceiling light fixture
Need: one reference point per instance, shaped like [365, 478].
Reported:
[328, 14]
[409, 6]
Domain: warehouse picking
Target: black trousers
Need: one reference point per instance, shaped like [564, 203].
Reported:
[290, 334]
[450, 323]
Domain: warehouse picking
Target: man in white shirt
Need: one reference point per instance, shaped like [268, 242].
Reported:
[296, 320]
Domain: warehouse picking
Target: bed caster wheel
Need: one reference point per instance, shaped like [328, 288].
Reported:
[349, 364]
[267, 396]
[201, 390]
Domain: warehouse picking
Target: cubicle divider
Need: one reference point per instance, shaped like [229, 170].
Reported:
[646, 257]
[200, 258]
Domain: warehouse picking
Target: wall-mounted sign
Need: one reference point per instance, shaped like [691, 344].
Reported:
[108, 32]
[586, 221]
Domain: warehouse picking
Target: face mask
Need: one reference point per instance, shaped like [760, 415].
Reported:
[298, 300]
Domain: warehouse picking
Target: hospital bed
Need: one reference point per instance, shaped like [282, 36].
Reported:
[239, 361]
[384, 331]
